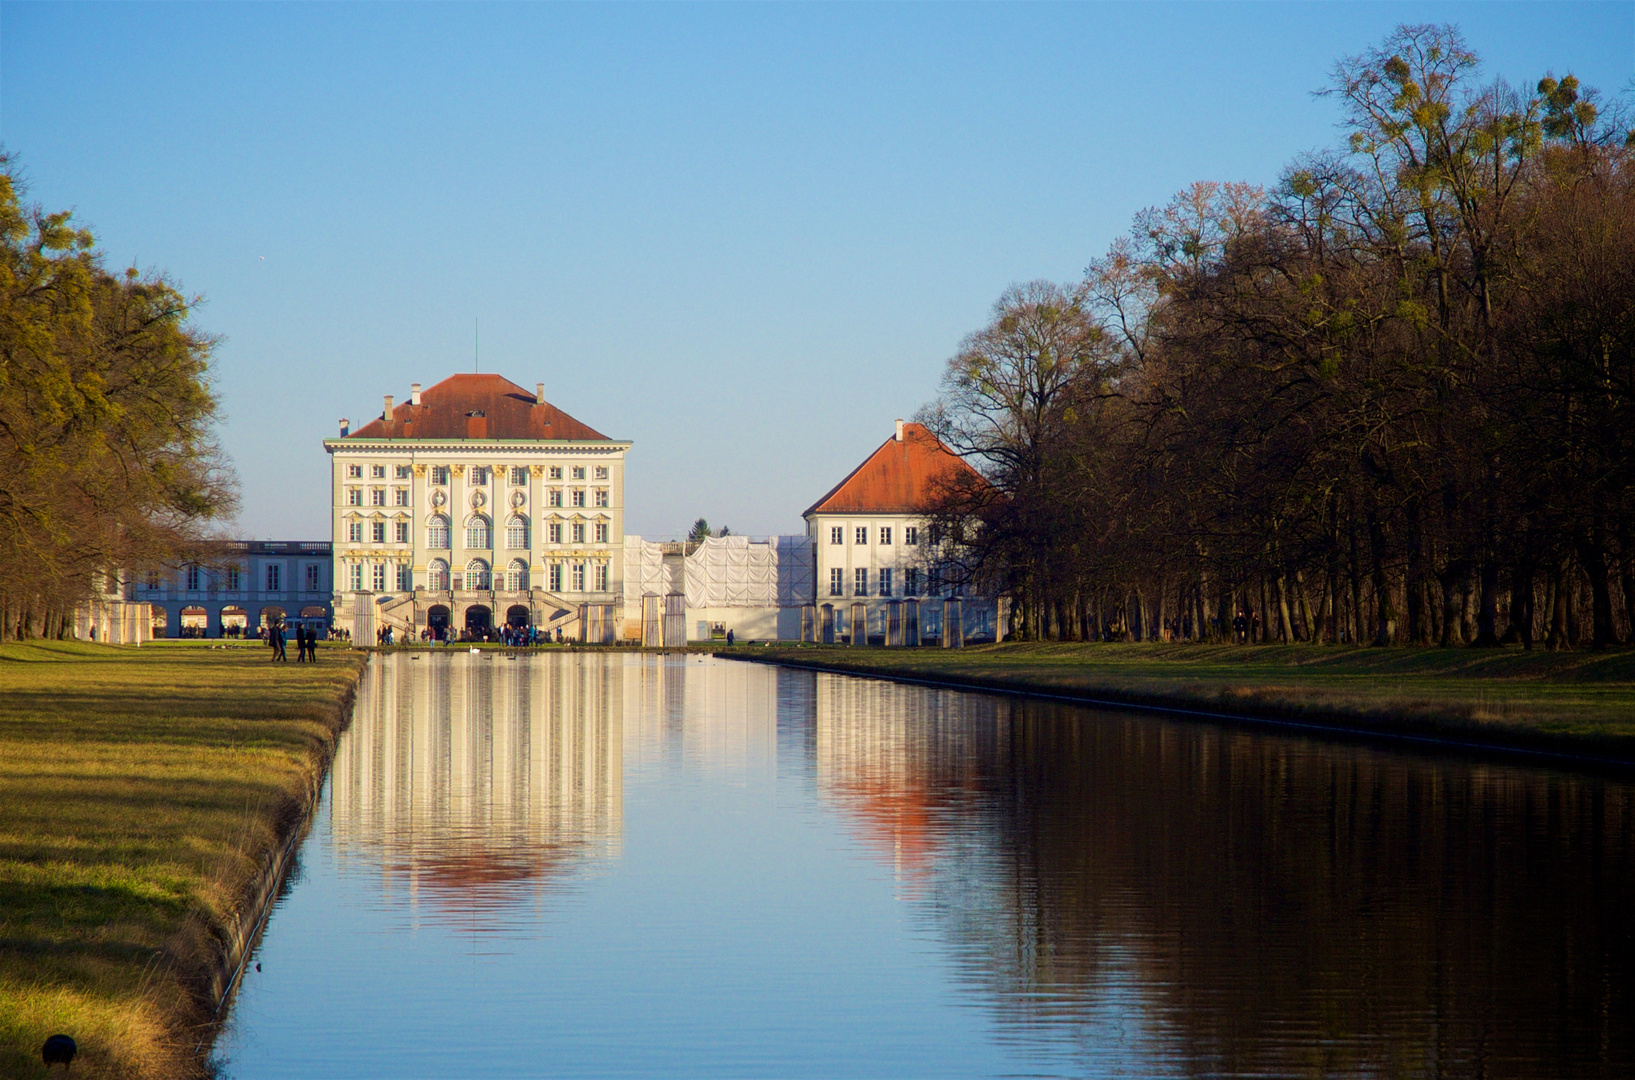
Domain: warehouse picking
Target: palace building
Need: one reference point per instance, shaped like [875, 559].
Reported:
[873, 549]
[475, 503]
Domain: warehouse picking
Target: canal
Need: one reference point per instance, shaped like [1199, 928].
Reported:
[619, 864]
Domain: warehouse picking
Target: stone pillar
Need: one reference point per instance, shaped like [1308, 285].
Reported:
[826, 628]
[953, 624]
[859, 624]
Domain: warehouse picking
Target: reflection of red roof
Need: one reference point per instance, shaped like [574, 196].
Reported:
[503, 410]
[898, 478]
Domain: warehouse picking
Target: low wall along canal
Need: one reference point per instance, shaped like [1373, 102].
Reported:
[678, 865]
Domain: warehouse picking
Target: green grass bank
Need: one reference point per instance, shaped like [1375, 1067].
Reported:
[1576, 703]
[143, 794]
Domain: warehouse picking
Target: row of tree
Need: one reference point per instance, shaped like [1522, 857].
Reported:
[108, 462]
[1390, 400]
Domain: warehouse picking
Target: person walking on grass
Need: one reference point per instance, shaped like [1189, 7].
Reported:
[278, 644]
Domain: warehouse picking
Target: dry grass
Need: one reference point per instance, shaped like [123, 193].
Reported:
[1571, 702]
[141, 791]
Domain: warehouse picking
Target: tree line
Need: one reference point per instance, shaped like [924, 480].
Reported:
[108, 463]
[1390, 399]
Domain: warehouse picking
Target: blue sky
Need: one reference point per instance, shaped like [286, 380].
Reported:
[746, 237]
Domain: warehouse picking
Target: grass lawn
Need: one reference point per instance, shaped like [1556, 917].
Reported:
[1580, 702]
[141, 791]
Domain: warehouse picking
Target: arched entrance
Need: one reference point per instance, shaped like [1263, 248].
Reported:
[271, 615]
[478, 618]
[516, 616]
[195, 621]
[437, 617]
[160, 621]
[234, 621]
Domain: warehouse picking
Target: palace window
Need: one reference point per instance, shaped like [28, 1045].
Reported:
[885, 535]
[885, 582]
[837, 581]
[933, 581]
[476, 574]
[400, 496]
[553, 497]
[911, 581]
[437, 530]
[554, 530]
[312, 577]
[274, 575]
[862, 535]
[377, 497]
[601, 532]
[911, 536]
[578, 577]
[400, 472]
[477, 532]
[400, 532]
[377, 579]
[437, 575]
[519, 475]
[601, 497]
[439, 474]
[601, 472]
[194, 576]
[861, 585]
[234, 578]
[578, 472]
[354, 496]
[516, 533]
[378, 472]
[405, 577]
[601, 577]
[556, 577]
[554, 472]
[576, 497]
[837, 535]
[377, 532]
[354, 472]
[151, 580]
[516, 576]
[354, 532]
[579, 532]
[357, 577]
[481, 475]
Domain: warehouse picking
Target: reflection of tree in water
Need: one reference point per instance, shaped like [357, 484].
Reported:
[476, 782]
[1225, 902]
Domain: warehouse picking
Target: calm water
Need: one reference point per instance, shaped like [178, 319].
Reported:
[627, 865]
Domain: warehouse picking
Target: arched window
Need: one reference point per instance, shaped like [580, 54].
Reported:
[516, 533]
[437, 534]
[437, 573]
[477, 574]
[478, 532]
[516, 576]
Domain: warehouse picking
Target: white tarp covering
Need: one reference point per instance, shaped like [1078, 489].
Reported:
[645, 572]
[734, 571]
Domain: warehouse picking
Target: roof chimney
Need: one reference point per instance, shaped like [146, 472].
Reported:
[899, 429]
[414, 393]
[346, 426]
[386, 413]
[539, 393]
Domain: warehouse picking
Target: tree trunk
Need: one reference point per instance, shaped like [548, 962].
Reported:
[1592, 555]
[1521, 602]
[1385, 624]
[1452, 629]
[1487, 612]
[1556, 637]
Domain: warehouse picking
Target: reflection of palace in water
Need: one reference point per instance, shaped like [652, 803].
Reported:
[476, 779]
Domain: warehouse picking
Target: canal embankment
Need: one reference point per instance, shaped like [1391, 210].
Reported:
[1577, 704]
[150, 801]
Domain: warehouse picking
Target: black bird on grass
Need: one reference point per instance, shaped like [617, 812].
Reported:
[59, 1049]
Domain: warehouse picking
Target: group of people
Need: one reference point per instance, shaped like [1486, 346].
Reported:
[306, 641]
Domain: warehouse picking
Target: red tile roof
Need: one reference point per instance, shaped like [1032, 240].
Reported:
[898, 478]
[506, 411]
